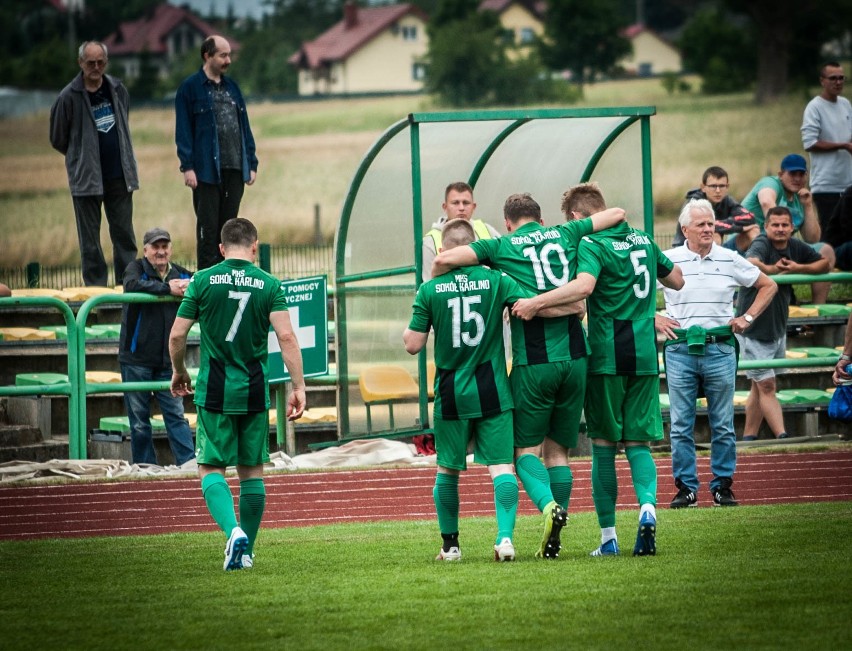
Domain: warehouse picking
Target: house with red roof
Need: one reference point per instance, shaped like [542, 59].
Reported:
[163, 34]
[371, 50]
[652, 54]
[522, 20]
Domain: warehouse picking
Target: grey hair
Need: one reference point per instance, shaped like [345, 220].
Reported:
[82, 50]
[699, 205]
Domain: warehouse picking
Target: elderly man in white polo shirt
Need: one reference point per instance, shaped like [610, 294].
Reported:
[700, 352]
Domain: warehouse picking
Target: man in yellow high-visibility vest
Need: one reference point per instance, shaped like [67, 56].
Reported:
[458, 204]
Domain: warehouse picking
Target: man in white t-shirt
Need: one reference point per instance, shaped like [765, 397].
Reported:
[827, 135]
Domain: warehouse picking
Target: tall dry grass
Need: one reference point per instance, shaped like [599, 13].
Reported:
[308, 152]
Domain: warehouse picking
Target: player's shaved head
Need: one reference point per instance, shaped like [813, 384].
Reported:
[457, 232]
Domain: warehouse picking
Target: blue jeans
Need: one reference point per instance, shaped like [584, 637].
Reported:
[138, 405]
[716, 370]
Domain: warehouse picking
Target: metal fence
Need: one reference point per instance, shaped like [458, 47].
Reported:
[286, 261]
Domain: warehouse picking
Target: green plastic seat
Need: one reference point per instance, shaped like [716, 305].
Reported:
[808, 396]
[33, 379]
[665, 403]
[817, 351]
[195, 330]
[122, 424]
[104, 331]
[831, 309]
[61, 331]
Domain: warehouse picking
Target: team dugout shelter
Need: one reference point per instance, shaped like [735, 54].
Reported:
[396, 195]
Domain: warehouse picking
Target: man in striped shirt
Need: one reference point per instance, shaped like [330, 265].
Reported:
[700, 353]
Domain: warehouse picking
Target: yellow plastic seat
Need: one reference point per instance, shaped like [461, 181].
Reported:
[103, 377]
[318, 415]
[797, 311]
[85, 293]
[25, 334]
[386, 385]
[795, 354]
[33, 292]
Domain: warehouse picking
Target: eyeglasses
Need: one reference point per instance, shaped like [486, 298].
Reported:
[836, 78]
[717, 186]
[99, 63]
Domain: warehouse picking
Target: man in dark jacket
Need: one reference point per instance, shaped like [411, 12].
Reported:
[731, 217]
[144, 348]
[215, 146]
[89, 126]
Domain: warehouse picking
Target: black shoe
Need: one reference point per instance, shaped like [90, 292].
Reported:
[685, 497]
[723, 495]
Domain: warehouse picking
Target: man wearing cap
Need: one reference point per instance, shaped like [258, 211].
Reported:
[827, 136]
[789, 189]
[143, 352]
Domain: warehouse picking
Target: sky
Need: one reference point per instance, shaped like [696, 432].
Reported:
[254, 8]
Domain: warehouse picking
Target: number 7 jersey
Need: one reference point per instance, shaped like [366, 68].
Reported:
[626, 263]
[232, 302]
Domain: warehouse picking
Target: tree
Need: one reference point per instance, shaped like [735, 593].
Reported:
[722, 50]
[584, 36]
[790, 34]
[468, 62]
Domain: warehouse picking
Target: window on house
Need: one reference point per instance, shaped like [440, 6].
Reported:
[418, 72]
[409, 32]
[527, 35]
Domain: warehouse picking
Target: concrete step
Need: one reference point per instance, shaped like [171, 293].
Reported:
[17, 435]
[55, 448]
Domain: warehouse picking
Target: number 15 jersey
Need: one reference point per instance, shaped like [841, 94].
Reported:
[465, 308]
[232, 302]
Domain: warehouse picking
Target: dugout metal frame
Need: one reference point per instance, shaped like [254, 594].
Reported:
[378, 257]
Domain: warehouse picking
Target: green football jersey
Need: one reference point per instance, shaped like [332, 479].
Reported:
[465, 308]
[540, 258]
[232, 301]
[626, 263]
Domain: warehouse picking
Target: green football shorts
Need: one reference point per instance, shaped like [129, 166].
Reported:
[548, 402]
[491, 436]
[231, 439]
[624, 408]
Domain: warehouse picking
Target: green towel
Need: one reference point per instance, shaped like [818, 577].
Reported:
[696, 337]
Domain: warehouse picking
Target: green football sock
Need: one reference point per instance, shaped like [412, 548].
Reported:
[219, 501]
[533, 476]
[561, 482]
[446, 496]
[643, 470]
[505, 505]
[604, 484]
[252, 503]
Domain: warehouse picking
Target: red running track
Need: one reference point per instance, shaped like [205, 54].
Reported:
[293, 500]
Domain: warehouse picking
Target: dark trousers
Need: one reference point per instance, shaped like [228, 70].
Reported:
[825, 203]
[117, 203]
[214, 205]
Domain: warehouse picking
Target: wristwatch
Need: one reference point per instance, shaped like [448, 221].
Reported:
[748, 317]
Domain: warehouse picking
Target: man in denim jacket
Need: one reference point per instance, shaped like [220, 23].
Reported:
[215, 146]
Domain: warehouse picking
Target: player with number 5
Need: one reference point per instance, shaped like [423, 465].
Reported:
[548, 354]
